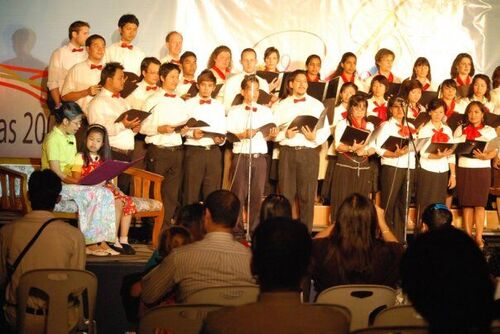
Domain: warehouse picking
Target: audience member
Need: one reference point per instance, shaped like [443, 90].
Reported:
[191, 217]
[360, 248]
[58, 245]
[436, 216]
[281, 254]
[446, 279]
[217, 260]
[275, 205]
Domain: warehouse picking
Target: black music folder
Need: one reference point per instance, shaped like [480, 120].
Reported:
[393, 90]
[422, 118]
[427, 97]
[352, 134]
[130, 85]
[304, 120]
[391, 143]
[191, 123]
[266, 128]
[435, 147]
[467, 148]
[131, 114]
[491, 119]
[374, 120]
[455, 120]
[267, 75]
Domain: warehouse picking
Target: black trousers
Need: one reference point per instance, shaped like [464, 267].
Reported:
[298, 177]
[202, 172]
[393, 197]
[239, 178]
[167, 162]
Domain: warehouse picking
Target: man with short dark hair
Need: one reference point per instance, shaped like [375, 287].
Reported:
[60, 245]
[437, 216]
[281, 253]
[217, 260]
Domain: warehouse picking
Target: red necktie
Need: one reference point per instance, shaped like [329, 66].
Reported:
[425, 87]
[381, 110]
[77, 50]
[472, 132]
[390, 78]
[205, 101]
[186, 81]
[415, 111]
[249, 108]
[451, 109]
[439, 136]
[95, 67]
[461, 83]
[357, 125]
[148, 88]
[219, 72]
[170, 95]
[128, 46]
[299, 100]
[405, 130]
[116, 95]
[344, 78]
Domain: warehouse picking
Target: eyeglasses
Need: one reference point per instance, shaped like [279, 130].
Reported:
[76, 122]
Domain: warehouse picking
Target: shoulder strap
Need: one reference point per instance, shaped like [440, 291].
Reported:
[12, 268]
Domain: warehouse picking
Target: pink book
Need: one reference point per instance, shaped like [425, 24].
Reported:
[107, 171]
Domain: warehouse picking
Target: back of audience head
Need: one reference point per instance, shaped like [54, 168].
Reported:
[436, 216]
[222, 208]
[44, 188]
[356, 220]
[446, 278]
[191, 217]
[173, 237]
[281, 251]
[275, 205]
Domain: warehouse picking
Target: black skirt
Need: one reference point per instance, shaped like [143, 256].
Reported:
[473, 186]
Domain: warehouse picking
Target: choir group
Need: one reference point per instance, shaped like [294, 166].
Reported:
[382, 136]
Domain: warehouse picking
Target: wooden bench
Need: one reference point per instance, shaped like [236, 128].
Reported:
[146, 195]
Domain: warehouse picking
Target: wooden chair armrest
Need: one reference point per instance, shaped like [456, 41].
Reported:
[9, 200]
[142, 181]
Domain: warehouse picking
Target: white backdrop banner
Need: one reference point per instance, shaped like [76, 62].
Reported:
[437, 29]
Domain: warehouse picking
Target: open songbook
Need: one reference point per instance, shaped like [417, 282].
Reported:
[307, 120]
[132, 114]
[131, 81]
[107, 171]
[191, 123]
[352, 134]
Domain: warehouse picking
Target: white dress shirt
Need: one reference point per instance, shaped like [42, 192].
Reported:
[130, 58]
[434, 165]
[140, 94]
[286, 111]
[104, 109]
[213, 114]
[60, 62]
[233, 87]
[80, 77]
[165, 111]
[338, 114]
[391, 128]
[183, 88]
[240, 119]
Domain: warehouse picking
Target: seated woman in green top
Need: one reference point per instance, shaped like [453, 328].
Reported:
[96, 205]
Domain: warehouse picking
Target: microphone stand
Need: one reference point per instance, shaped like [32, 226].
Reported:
[249, 186]
[412, 142]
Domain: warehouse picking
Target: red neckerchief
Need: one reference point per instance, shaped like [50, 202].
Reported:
[126, 45]
[415, 111]
[219, 72]
[390, 78]
[425, 87]
[461, 83]
[315, 79]
[381, 110]
[344, 114]
[451, 109]
[405, 130]
[472, 132]
[355, 124]
[439, 136]
[344, 78]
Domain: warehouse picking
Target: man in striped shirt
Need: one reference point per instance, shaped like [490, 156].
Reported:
[217, 260]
